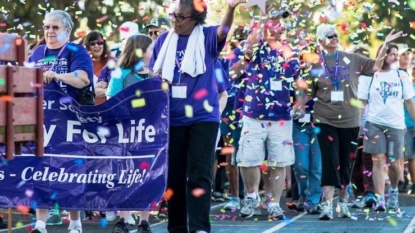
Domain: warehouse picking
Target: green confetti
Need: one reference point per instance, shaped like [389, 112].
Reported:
[138, 103]
[2, 81]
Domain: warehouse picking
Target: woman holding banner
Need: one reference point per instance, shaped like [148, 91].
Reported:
[185, 57]
[134, 68]
[70, 65]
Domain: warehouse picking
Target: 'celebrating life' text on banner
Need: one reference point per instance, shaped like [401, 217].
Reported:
[110, 156]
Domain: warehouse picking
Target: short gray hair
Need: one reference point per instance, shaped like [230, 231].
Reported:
[322, 30]
[62, 16]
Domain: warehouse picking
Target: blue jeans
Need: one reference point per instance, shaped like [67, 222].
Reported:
[307, 166]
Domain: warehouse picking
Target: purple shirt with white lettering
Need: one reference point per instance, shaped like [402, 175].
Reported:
[73, 57]
[202, 91]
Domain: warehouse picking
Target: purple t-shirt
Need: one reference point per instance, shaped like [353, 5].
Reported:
[105, 75]
[72, 57]
[267, 94]
[199, 89]
[221, 77]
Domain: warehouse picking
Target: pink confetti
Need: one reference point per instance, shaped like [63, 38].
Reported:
[200, 94]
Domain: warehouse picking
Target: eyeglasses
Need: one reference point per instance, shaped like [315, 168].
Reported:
[151, 33]
[331, 36]
[178, 18]
[54, 27]
[96, 43]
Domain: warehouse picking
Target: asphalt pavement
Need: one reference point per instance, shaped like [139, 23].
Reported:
[362, 221]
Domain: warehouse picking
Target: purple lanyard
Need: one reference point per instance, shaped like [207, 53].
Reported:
[333, 78]
[57, 57]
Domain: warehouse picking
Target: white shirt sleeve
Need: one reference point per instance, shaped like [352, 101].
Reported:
[363, 87]
[408, 90]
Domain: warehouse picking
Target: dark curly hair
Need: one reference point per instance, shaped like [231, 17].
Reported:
[199, 10]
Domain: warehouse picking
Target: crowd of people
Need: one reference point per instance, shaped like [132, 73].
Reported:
[313, 120]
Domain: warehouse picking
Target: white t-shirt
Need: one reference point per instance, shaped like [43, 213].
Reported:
[385, 97]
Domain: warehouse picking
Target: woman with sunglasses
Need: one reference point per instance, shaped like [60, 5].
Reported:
[97, 47]
[70, 65]
[185, 57]
[334, 83]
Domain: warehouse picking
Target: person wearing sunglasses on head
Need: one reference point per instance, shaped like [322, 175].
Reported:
[70, 65]
[97, 47]
[185, 57]
[157, 26]
[333, 81]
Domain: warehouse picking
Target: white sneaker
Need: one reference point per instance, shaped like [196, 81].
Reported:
[131, 220]
[233, 204]
[110, 216]
[76, 229]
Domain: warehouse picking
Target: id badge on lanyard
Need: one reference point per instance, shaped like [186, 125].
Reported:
[179, 90]
[336, 94]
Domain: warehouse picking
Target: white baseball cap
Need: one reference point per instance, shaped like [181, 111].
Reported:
[128, 29]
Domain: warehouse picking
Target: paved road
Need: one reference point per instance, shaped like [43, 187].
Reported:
[363, 221]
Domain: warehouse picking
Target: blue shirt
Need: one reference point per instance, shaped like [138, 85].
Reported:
[205, 107]
[267, 94]
[408, 120]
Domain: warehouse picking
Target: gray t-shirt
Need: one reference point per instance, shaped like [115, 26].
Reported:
[338, 113]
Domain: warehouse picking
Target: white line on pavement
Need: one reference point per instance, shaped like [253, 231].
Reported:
[16, 228]
[411, 226]
[283, 224]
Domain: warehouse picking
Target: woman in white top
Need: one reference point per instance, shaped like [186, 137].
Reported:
[385, 93]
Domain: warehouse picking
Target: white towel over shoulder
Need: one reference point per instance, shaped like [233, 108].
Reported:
[193, 62]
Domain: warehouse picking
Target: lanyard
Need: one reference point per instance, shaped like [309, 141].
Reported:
[57, 57]
[179, 67]
[333, 78]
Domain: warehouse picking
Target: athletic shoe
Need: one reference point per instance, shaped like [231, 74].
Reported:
[342, 209]
[76, 229]
[393, 200]
[218, 197]
[313, 209]
[327, 211]
[131, 220]
[370, 199]
[248, 207]
[163, 211]
[39, 230]
[53, 218]
[110, 216]
[275, 212]
[359, 202]
[144, 227]
[233, 204]
[380, 204]
[121, 227]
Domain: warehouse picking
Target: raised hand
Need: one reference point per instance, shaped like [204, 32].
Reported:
[235, 3]
[393, 36]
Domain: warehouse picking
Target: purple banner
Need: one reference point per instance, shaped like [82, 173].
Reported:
[107, 157]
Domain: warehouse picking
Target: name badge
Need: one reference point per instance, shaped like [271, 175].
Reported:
[337, 96]
[276, 85]
[179, 91]
[305, 119]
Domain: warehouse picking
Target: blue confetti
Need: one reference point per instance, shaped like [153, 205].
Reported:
[139, 65]
[33, 205]
[5, 48]
[65, 100]
[20, 184]
[53, 196]
[317, 72]
[72, 47]
[219, 75]
[79, 162]
[103, 223]
[316, 130]
[76, 73]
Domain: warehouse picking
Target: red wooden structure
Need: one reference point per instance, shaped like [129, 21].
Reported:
[21, 101]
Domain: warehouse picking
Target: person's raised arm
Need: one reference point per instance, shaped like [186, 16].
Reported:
[382, 53]
[227, 20]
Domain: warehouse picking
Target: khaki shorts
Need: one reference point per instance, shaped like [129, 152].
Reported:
[276, 136]
[381, 139]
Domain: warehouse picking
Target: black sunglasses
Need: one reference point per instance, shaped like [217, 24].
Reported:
[96, 43]
[178, 18]
[54, 27]
[331, 36]
[151, 33]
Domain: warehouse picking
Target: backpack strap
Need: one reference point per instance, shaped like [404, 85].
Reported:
[399, 76]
